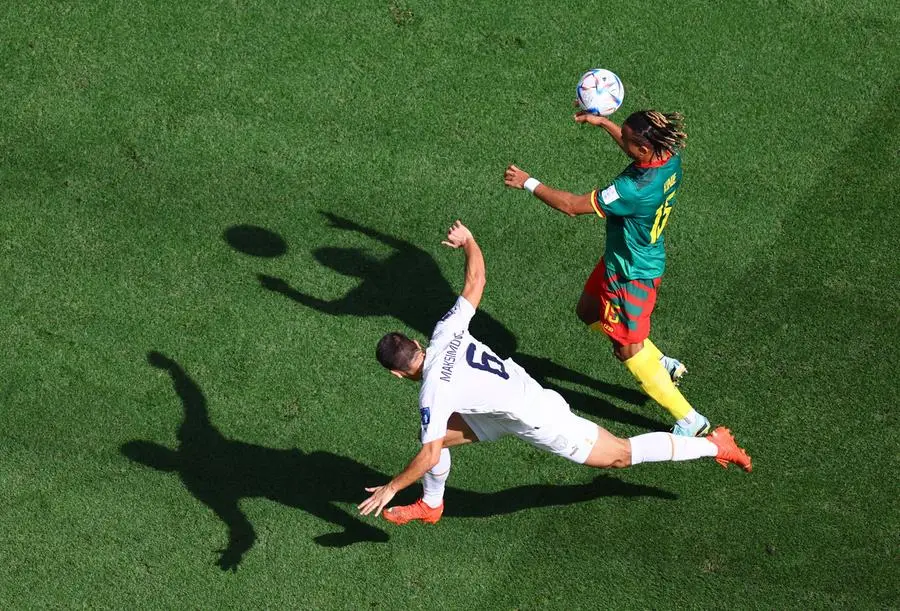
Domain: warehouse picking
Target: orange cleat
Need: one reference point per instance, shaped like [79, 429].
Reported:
[401, 514]
[729, 452]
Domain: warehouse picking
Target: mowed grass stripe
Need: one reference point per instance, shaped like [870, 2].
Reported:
[801, 358]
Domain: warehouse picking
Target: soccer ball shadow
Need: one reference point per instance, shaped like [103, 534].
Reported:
[255, 241]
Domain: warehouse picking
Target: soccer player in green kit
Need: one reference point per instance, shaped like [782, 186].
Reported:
[621, 292]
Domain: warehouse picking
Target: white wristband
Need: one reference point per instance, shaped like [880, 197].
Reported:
[531, 184]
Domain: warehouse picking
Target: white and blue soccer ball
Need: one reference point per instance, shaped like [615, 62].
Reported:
[600, 92]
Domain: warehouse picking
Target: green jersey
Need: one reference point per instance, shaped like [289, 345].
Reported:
[636, 207]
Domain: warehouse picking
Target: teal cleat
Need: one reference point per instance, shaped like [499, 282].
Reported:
[675, 368]
[699, 428]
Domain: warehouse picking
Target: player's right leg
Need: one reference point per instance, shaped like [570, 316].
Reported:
[458, 432]
[673, 366]
[430, 507]
[643, 361]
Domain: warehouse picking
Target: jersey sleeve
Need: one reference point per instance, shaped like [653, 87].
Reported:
[457, 319]
[618, 199]
[434, 422]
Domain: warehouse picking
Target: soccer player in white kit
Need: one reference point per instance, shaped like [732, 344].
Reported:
[469, 394]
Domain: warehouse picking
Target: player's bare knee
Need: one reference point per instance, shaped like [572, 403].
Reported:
[624, 458]
[620, 455]
[614, 453]
[624, 352]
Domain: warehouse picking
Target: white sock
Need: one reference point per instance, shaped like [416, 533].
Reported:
[659, 447]
[435, 481]
[688, 419]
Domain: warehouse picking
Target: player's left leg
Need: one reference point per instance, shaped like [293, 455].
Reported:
[588, 309]
[434, 481]
[610, 451]
[580, 440]
[430, 507]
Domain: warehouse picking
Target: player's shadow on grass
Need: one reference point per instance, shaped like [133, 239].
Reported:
[219, 472]
[469, 504]
[409, 286]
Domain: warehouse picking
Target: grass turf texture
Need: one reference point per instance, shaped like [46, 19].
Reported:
[135, 139]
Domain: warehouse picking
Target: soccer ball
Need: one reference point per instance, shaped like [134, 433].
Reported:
[600, 92]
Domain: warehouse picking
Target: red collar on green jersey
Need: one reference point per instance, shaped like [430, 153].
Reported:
[654, 164]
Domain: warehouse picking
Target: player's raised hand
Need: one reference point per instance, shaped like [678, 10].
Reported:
[583, 116]
[381, 496]
[515, 177]
[457, 235]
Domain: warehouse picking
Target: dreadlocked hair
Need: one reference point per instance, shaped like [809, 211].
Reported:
[663, 132]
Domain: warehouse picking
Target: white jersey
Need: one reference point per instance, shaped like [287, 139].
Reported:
[463, 375]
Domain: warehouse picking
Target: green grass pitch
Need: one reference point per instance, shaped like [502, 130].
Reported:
[142, 141]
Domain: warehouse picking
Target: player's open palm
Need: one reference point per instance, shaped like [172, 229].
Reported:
[381, 496]
[457, 235]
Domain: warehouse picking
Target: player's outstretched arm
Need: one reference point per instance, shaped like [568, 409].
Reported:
[459, 236]
[427, 458]
[565, 202]
[611, 128]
